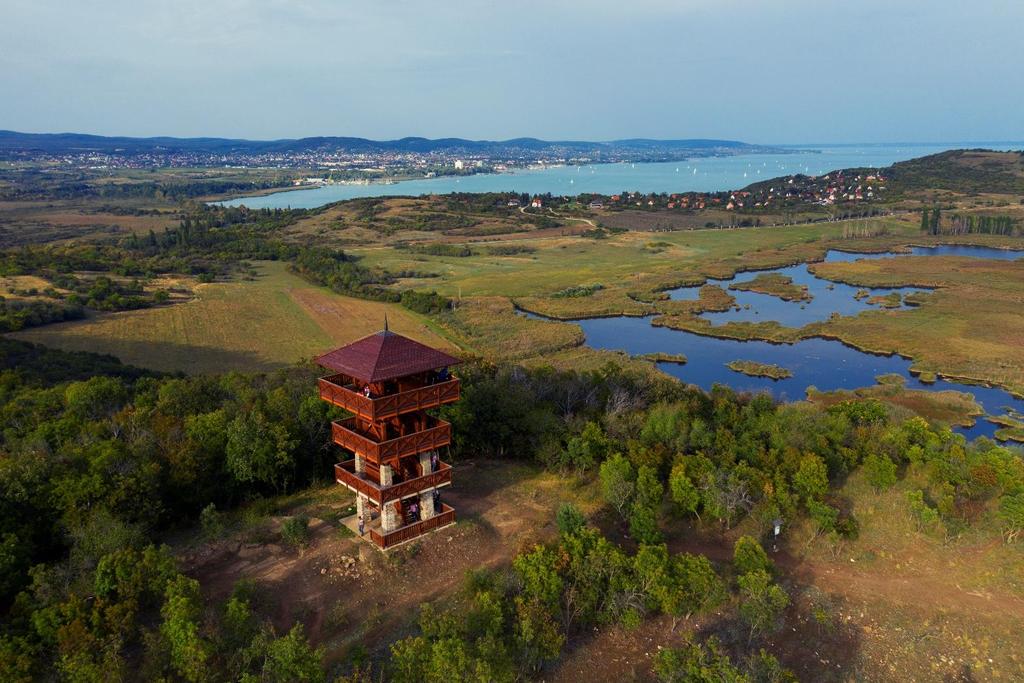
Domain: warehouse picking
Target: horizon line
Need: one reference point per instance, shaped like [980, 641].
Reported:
[527, 137]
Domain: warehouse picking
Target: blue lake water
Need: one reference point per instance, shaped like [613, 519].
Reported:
[822, 363]
[710, 174]
[827, 297]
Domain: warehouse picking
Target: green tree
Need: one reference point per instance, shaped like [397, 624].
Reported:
[702, 589]
[643, 524]
[618, 483]
[684, 494]
[928, 519]
[643, 518]
[182, 612]
[18, 659]
[765, 668]
[748, 556]
[96, 397]
[761, 602]
[259, 452]
[811, 478]
[537, 636]
[587, 449]
[538, 571]
[290, 658]
[824, 516]
[649, 490]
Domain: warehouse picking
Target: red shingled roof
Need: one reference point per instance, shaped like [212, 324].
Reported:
[384, 356]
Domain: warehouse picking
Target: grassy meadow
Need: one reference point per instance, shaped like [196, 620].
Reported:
[271, 321]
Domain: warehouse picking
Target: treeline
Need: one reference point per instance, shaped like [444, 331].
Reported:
[985, 225]
[967, 224]
[143, 452]
[441, 249]
[19, 314]
[332, 268]
[724, 457]
[209, 240]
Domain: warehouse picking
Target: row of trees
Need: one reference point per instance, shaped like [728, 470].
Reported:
[968, 224]
[985, 225]
[931, 221]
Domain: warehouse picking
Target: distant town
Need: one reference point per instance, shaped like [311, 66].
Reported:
[349, 159]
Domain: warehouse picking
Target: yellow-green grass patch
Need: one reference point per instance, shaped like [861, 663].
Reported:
[969, 328]
[275, 320]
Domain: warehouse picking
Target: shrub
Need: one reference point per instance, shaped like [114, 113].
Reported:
[880, 471]
[510, 250]
[425, 302]
[927, 517]
[570, 519]
[295, 531]
[211, 521]
[824, 516]
[1011, 513]
[578, 291]
[694, 662]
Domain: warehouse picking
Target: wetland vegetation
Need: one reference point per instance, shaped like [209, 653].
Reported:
[755, 369]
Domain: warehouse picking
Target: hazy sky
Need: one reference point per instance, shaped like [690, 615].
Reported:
[753, 70]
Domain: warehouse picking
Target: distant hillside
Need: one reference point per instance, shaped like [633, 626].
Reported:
[59, 143]
[961, 170]
[967, 171]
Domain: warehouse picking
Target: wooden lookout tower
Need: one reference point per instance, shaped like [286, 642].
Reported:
[388, 382]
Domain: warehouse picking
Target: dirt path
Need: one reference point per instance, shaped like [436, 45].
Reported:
[347, 592]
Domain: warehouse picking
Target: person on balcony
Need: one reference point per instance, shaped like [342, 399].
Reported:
[366, 391]
[433, 462]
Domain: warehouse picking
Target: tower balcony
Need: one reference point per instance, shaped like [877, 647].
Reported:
[342, 391]
[346, 475]
[344, 433]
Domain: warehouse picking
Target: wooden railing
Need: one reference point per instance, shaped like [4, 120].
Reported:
[410, 531]
[429, 439]
[345, 474]
[336, 390]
